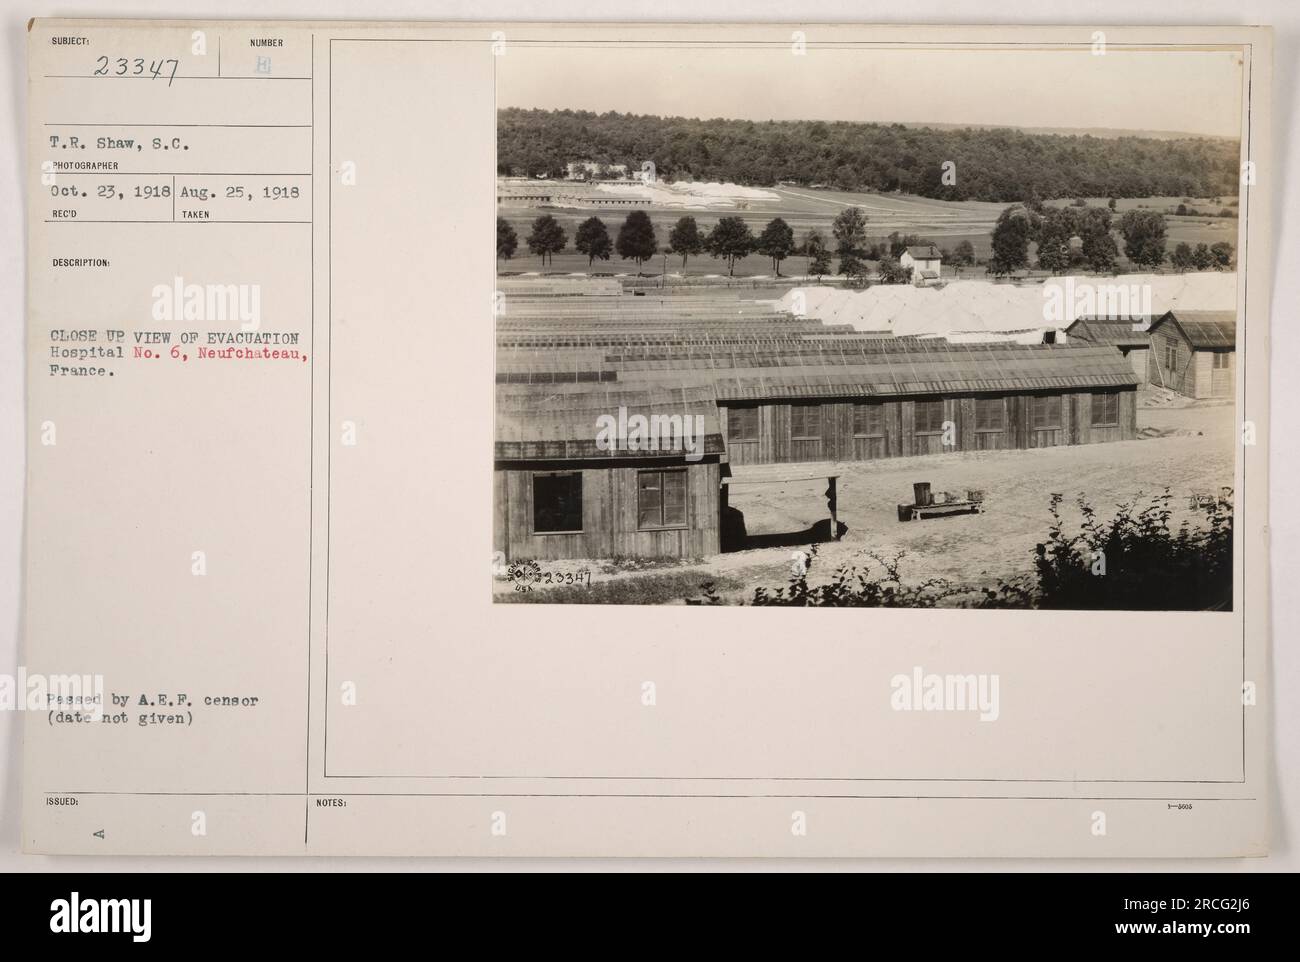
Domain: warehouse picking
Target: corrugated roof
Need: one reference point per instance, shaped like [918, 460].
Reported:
[1119, 332]
[939, 368]
[840, 367]
[564, 422]
[1204, 329]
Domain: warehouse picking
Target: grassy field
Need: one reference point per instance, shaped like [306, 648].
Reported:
[946, 223]
[1186, 447]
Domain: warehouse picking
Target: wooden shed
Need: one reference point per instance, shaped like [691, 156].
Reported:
[562, 490]
[1195, 353]
[1130, 337]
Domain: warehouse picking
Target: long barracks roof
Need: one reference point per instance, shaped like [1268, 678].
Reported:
[841, 368]
[1203, 329]
[563, 422]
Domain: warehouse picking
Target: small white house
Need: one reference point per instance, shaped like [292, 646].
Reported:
[924, 262]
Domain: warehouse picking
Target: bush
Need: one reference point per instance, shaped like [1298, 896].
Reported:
[1134, 562]
[878, 583]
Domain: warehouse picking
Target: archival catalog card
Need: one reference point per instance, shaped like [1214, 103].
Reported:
[423, 417]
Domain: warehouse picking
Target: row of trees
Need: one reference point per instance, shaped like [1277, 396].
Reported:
[1082, 236]
[1000, 165]
[1067, 238]
[730, 239]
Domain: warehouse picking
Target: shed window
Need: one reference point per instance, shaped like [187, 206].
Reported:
[990, 414]
[557, 503]
[661, 499]
[1045, 412]
[742, 424]
[869, 420]
[929, 417]
[1222, 360]
[1105, 408]
[806, 421]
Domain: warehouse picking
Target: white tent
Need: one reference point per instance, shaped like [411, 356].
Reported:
[982, 310]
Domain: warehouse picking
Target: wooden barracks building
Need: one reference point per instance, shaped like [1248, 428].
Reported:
[765, 401]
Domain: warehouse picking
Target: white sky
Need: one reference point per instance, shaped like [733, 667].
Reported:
[1193, 91]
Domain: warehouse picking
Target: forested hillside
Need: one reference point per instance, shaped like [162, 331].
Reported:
[990, 164]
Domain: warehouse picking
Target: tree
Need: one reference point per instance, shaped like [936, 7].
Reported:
[776, 242]
[731, 240]
[1181, 258]
[892, 272]
[1055, 231]
[592, 239]
[999, 166]
[685, 238]
[963, 255]
[1144, 237]
[1100, 251]
[812, 243]
[548, 237]
[1011, 234]
[850, 232]
[901, 242]
[1222, 252]
[636, 239]
[507, 239]
[820, 263]
[1202, 259]
[1112, 203]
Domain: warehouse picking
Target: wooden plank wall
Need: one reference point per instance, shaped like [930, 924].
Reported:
[609, 517]
[1223, 380]
[1208, 381]
[838, 442]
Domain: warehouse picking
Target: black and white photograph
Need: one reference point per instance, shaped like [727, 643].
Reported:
[852, 325]
[342, 546]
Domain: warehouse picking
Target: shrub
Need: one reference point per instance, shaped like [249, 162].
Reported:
[1134, 562]
[877, 583]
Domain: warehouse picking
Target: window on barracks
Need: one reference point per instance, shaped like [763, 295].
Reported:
[661, 499]
[1045, 412]
[557, 503]
[1105, 408]
[990, 414]
[806, 421]
[929, 417]
[742, 424]
[1222, 360]
[869, 420]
